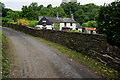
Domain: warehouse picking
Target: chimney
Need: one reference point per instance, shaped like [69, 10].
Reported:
[57, 15]
[72, 16]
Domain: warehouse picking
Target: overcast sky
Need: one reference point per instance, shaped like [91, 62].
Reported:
[17, 4]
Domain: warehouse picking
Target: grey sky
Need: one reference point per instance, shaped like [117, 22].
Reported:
[17, 4]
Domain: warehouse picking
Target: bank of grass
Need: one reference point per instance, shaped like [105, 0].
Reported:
[97, 67]
[5, 59]
[0, 54]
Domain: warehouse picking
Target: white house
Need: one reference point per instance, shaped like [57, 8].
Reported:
[65, 23]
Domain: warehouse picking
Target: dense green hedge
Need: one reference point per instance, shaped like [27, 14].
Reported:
[109, 22]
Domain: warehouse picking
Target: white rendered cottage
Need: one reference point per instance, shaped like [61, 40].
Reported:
[65, 23]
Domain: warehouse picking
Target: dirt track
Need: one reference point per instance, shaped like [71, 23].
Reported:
[34, 59]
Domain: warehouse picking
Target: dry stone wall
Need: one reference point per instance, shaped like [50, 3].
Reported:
[93, 45]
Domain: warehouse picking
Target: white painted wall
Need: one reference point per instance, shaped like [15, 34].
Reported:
[47, 26]
[80, 30]
[61, 25]
[68, 25]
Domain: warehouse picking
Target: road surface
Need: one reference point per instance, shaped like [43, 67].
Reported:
[34, 59]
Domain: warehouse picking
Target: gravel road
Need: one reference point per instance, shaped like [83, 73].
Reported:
[34, 59]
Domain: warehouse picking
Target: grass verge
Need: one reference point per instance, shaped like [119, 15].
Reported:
[5, 59]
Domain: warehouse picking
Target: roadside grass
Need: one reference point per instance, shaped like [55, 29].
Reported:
[4, 57]
[0, 54]
[97, 67]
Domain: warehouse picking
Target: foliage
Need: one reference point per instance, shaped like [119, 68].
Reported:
[5, 60]
[92, 24]
[2, 5]
[31, 12]
[57, 26]
[22, 22]
[82, 13]
[74, 30]
[13, 14]
[4, 11]
[32, 23]
[4, 19]
[109, 22]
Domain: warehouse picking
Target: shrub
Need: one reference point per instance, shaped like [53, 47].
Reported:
[22, 22]
[57, 26]
[4, 19]
[32, 23]
[109, 22]
[90, 24]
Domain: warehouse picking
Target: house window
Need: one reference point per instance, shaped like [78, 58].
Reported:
[65, 24]
[71, 24]
[43, 21]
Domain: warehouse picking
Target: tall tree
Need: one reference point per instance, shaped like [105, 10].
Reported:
[109, 22]
[82, 13]
[31, 12]
[13, 14]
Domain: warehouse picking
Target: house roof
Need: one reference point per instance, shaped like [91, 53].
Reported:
[78, 25]
[90, 29]
[58, 20]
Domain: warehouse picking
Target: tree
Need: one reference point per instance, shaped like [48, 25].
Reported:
[82, 13]
[79, 16]
[70, 8]
[44, 11]
[109, 22]
[31, 12]
[13, 14]
[4, 11]
[59, 10]
[84, 25]
[92, 24]
[49, 6]
[2, 5]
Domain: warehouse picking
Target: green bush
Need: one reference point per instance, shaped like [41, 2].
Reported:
[57, 26]
[74, 30]
[90, 24]
[32, 23]
[4, 19]
[109, 22]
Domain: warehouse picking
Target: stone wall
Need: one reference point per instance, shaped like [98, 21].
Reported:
[93, 45]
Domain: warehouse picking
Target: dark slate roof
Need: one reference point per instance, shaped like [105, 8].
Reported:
[58, 20]
[78, 25]
[44, 18]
